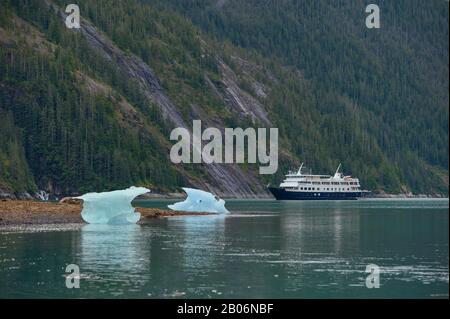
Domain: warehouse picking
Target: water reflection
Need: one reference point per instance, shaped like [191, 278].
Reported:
[189, 249]
[264, 249]
[115, 255]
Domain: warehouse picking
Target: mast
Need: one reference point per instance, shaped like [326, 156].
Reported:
[339, 167]
[300, 170]
[337, 175]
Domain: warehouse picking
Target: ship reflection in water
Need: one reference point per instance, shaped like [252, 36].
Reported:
[263, 249]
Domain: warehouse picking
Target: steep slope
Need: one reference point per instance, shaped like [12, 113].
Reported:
[73, 138]
[96, 106]
[96, 60]
[391, 84]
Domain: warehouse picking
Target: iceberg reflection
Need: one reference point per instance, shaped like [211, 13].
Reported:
[114, 248]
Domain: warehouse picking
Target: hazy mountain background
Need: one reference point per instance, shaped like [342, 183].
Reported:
[92, 109]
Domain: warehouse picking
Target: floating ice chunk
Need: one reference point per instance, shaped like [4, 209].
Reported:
[200, 201]
[111, 207]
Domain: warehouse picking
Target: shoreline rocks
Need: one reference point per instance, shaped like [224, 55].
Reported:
[71, 201]
[17, 212]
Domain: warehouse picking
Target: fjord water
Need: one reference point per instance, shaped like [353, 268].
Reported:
[263, 249]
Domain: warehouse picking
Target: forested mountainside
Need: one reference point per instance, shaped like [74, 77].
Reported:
[92, 109]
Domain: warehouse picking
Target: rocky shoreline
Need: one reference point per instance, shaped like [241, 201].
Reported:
[24, 196]
[23, 212]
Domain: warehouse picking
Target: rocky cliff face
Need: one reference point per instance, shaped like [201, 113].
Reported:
[225, 180]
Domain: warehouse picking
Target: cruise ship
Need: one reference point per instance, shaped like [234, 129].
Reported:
[299, 186]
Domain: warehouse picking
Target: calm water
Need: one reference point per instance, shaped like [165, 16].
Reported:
[263, 249]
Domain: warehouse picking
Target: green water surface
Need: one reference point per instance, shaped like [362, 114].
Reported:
[263, 249]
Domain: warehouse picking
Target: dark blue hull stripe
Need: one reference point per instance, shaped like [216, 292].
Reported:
[281, 194]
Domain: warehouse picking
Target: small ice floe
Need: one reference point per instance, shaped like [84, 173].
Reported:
[201, 202]
[111, 207]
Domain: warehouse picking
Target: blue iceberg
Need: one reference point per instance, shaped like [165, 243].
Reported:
[200, 201]
[111, 207]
